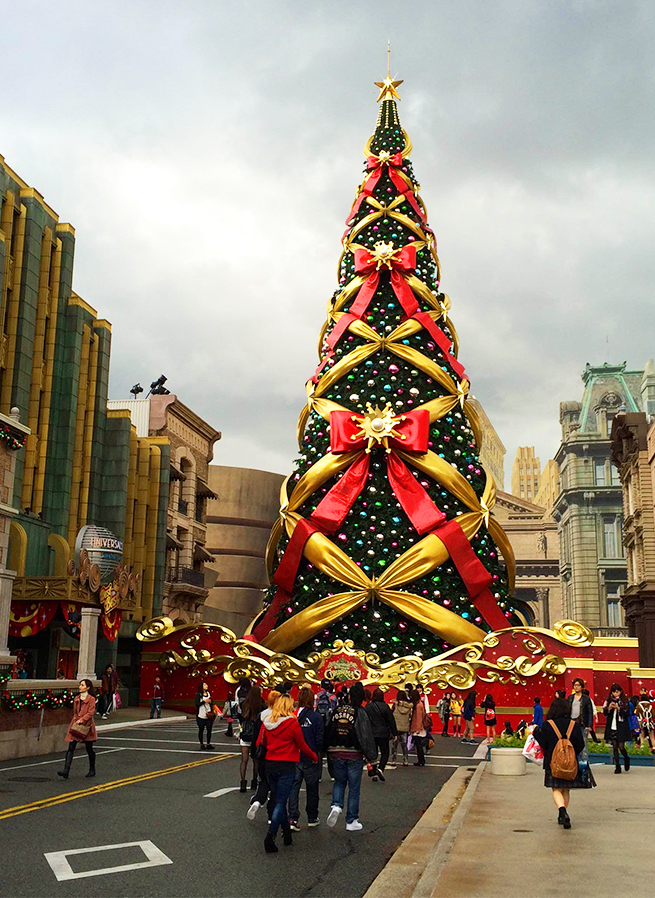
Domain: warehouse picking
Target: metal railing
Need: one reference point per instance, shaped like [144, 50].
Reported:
[610, 631]
[185, 575]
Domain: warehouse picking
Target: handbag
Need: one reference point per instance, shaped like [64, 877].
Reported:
[80, 731]
[247, 730]
[118, 701]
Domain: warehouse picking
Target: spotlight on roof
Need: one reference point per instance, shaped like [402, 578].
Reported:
[157, 387]
[136, 389]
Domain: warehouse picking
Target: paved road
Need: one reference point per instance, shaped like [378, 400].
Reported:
[151, 787]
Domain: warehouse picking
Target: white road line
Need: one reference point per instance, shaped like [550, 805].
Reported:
[106, 751]
[63, 870]
[219, 792]
[181, 751]
[167, 741]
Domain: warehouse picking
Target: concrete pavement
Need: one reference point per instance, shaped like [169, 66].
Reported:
[510, 845]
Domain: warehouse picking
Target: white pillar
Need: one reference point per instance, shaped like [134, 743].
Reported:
[86, 661]
[6, 587]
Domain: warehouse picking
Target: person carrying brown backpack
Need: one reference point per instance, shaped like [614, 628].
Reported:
[562, 741]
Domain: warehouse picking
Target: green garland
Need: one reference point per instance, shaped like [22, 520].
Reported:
[13, 442]
[29, 701]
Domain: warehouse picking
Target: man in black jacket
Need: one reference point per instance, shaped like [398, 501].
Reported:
[384, 728]
[350, 740]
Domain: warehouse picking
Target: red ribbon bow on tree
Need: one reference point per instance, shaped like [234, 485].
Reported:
[380, 427]
[409, 432]
[375, 165]
[400, 262]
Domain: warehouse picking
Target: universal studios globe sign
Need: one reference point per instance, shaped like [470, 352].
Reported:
[103, 549]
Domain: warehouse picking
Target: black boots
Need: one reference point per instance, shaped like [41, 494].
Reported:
[626, 761]
[269, 844]
[253, 784]
[244, 786]
[287, 838]
[563, 818]
[68, 760]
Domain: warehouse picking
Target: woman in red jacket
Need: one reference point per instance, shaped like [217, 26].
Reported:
[282, 741]
[82, 728]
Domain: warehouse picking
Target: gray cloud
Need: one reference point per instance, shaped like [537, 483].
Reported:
[207, 155]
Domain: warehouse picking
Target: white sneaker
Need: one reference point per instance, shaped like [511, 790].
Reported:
[390, 767]
[333, 816]
[252, 810]
[354, 826]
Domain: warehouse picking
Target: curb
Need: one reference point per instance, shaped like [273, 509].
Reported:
[107, 727]
[405, 869]
[430, 877]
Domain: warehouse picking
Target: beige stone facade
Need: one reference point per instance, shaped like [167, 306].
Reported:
[526, 474]
[633, 453]
[589, 505]
[186, 581]
[548, 485]
[239, 522]
[532, 533]
[492, 451]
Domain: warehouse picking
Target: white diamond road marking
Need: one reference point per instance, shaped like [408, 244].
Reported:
[63, 870]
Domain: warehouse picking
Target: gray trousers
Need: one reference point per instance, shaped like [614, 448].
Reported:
[402, 741]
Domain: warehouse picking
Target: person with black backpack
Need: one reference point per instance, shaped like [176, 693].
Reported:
[311, 724]
[350, 740]
[326, 703]
[562, 741]
[384, 728]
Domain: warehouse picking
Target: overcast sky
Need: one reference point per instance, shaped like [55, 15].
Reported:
[207, 154]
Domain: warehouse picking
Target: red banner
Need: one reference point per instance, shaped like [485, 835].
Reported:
[111, 623]
[28, 618]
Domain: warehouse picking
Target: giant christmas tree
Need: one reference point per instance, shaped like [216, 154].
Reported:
[386, 535]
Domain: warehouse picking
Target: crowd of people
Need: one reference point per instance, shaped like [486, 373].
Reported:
[285, 742]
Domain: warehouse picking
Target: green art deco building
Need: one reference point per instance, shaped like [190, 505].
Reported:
[81, 464]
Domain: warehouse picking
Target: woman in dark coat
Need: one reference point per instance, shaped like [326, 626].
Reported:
[560, 715]
[82, 728]
[617, 729]
[384, 727]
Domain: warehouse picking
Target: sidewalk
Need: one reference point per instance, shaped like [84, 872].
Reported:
[510, 845]
[129, 717]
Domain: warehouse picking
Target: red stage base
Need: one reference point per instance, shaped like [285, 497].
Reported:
[513, 665]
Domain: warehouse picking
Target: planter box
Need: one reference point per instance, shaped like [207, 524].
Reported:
[507, 761]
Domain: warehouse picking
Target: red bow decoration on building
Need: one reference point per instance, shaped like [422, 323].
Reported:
[400, 262]
[375, 165]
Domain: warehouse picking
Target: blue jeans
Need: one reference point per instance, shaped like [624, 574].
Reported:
[308, 771]
[347, 772]
[281, 776]
[155, 707]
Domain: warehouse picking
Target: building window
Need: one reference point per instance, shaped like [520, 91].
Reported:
[609, 417]
[610, 543]
[600, 473]
[614, 475]
[614, 612]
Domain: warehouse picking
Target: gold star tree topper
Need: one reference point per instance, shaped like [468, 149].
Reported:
[388, 86]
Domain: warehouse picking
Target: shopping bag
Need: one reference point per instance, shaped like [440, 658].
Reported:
[117, 700]
[533, 751]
